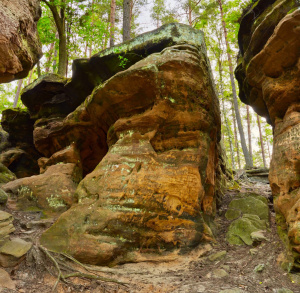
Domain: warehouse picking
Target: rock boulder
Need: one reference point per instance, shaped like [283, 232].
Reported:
[20, 48]
[155, 186]
[269, 78]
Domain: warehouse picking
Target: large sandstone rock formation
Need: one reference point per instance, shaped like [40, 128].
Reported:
[19, 153]
[155, 129]
[19, 45]
[269, 78]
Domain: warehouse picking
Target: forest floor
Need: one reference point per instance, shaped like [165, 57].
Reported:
[233, 270]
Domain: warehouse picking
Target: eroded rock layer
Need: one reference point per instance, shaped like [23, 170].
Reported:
[20, 48]
[157, 128]
[269, 78]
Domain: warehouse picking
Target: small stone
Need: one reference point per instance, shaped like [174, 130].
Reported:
[13, 252]
[44, 223]
[219, 273]
[259, 268]
[6, 281]
[217, 256]
[258, 236]
[253, 251]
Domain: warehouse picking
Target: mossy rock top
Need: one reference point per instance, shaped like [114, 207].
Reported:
[253, 205]
[5, 174]
[239, 232]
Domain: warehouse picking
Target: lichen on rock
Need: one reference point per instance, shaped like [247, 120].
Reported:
[155, 186]
[269, 77]
[20, 48]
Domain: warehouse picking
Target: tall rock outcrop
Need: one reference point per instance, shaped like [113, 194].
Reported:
[20, 48]
[152, 130]
[269, 79]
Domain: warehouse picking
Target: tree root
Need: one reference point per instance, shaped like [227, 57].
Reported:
[61, 264]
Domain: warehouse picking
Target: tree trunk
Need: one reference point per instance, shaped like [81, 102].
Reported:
[126, 20]
[59, 19]
[236, 108]
[224, 114]
[112, 22]
[29, 78]
[49, 57]
[249, 133]
[38, 68]
[236, 137]
[18, 93]
[62, 55]
[261, 142]
[190, 13]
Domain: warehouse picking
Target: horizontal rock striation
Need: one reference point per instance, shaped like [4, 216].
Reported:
[155, 128]
[269, 78]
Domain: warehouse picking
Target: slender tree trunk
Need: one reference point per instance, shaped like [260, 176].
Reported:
[126, 20]
[236, 108]
[49, 57]
[30, 76]
[236, 137]
[38, 68]
[86, 48]
[249, 133]
[190, 13]
[224, 114]
[18, 93]
[112, 22]
[59, 19]
[62, 55]
[54, 61]
[261, 141]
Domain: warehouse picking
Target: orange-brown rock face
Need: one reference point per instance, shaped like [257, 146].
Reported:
[19, 45]
[155, 188]
[269, 77]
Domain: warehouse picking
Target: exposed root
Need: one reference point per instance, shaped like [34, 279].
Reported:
[65, 269]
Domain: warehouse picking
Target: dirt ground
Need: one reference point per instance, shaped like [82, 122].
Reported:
[191, 273]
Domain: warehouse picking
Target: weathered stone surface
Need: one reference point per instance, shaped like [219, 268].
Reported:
[64, 140]
[21, 156]
[258, 236]
[3, 197]
[155, 187]
[6, 281]
[6, 226]
[219, 273]
[5, 174]
[269, 77]
[217, 256]
[17, 123]
[253, 205]
[267, 71]
[19, 44]
[46, 96]
[240, 230]
[4, 143]
[13, 252]
[52, 190]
